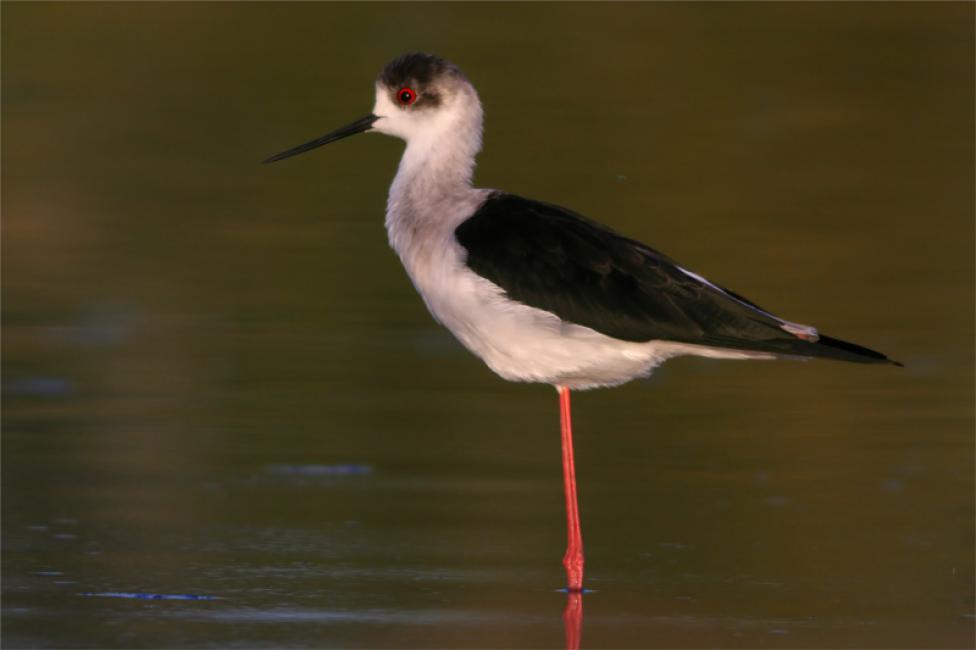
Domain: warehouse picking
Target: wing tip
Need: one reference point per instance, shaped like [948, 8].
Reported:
[848, 351]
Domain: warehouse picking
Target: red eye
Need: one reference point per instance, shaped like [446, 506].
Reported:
[406, 96]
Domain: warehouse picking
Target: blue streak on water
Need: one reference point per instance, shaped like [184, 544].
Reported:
[138, 595]
[47, 387]
[319, 470]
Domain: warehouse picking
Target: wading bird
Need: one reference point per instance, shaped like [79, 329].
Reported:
[538, 292]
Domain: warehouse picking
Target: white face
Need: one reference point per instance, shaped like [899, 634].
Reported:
[393, 119]
[425, 113]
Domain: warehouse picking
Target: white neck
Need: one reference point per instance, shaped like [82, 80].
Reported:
[432, 190]
[439, 159]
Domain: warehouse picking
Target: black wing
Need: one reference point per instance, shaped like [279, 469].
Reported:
[551, 258]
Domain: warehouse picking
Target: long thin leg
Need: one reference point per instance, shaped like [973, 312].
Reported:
[573, 560]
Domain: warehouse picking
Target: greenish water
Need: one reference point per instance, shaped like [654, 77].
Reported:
[218, 380]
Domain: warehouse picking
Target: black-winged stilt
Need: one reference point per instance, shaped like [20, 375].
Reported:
[538, 292]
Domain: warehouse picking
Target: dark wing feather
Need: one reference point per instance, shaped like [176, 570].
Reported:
[551, 258]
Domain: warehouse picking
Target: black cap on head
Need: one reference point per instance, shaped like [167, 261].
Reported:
[415, 68]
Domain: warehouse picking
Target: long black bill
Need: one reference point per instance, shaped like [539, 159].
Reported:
[360, 125]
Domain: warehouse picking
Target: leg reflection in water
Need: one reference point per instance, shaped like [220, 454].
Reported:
[573, 619]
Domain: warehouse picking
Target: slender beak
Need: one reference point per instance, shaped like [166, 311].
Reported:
[359, 126]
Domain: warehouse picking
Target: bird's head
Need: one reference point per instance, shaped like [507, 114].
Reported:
[420, 98]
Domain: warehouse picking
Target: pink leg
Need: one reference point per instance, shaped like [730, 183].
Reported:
[573, 560]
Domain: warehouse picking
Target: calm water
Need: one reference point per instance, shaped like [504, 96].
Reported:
[219, 382]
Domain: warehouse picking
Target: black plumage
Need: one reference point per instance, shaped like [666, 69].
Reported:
[548, 257]
[415, 68]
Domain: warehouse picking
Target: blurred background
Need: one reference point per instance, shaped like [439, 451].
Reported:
[217, 379]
